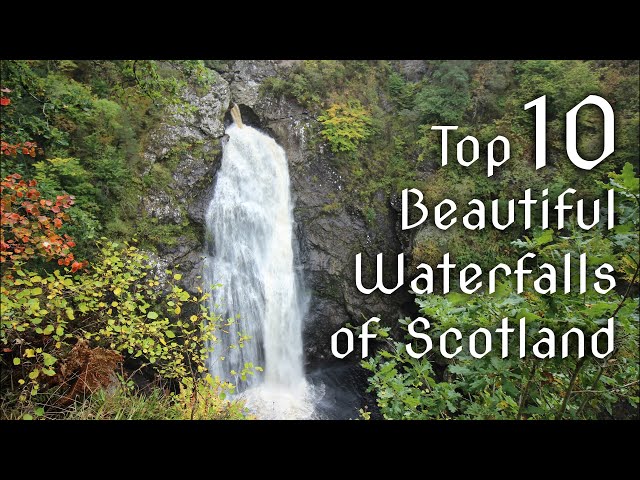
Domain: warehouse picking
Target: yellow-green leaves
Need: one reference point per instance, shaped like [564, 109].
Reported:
[114, 305]
[48, 359]
[345, 125]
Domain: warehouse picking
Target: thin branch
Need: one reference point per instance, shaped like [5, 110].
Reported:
[617, 389]
[570, 388]
[525, 391]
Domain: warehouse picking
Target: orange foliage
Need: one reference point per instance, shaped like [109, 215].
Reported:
[86, 370]
[26, 148]
[30, 223]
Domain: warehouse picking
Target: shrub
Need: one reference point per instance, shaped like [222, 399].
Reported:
[345, 125]
[511, 388]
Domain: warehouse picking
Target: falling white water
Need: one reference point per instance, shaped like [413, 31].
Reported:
[250, 252]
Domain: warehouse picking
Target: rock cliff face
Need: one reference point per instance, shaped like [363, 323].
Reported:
[329, 234]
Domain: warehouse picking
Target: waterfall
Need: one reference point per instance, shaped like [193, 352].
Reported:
[235, 114]
[250, 252]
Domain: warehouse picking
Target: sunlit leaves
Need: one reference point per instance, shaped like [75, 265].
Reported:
[345, 125]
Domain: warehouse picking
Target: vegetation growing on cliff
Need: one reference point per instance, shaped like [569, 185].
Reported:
[90, 120]
[486, 99]
[84, 315]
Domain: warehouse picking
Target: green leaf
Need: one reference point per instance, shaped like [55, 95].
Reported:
[170, 334]
[629, 179]
[177, 276]
[26, 416]
[16, 361]
[34, 374]
[49, 359]
[152, 315]
[457, 298]
[543, 238]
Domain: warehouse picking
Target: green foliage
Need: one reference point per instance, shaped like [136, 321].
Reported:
[401, 91]
[529, 388]
[117, 305]
[445, 99]
[124, 402]
[485, 98]
[56, 176]
[345, 126]
[311, 81]
[89, 119]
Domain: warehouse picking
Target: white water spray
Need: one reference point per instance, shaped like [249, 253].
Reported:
[250, 252]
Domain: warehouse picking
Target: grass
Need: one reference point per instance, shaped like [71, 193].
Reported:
[123, 403]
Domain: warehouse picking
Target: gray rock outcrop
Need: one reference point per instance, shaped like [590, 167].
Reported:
[330, 233]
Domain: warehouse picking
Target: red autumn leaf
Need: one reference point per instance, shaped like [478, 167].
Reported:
[4, 101]
[75, 266]
[33, 193]
[28, 226]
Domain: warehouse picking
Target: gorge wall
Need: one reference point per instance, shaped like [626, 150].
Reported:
[187, 144]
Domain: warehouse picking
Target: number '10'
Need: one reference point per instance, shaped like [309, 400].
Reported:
[540, 104]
